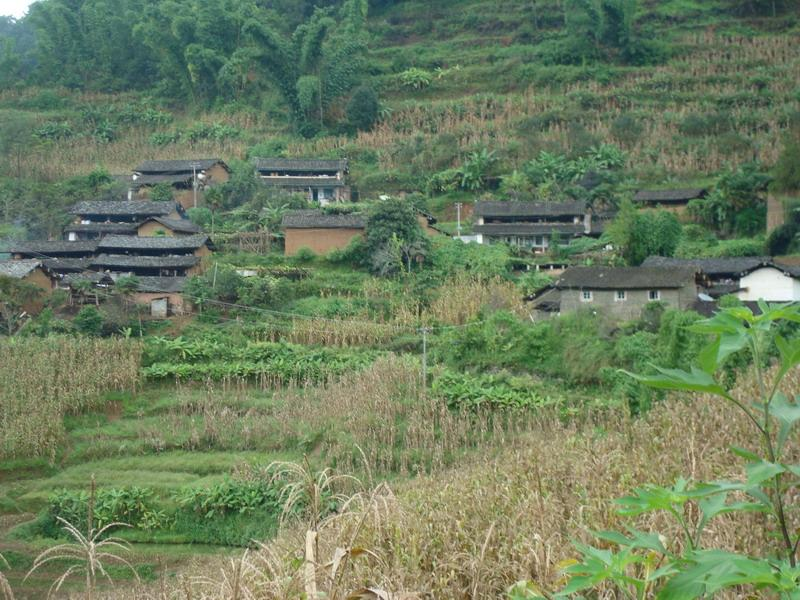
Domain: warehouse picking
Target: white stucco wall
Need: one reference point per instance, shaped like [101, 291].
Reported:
[769, 284]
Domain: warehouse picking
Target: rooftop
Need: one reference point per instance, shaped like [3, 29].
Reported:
[123, 261]
[528, 229]
[178, 225]
[494, 208]
[17, 269]
[161, 284]
[121, 228]
[301, 164]
[667, 196]
[178, 166]
[143, 208]
[287, 181]
[713, 267]
[171, 178]
[67, 265]
[130, 242]
[626, 278]
[46, 249]
[314, 219]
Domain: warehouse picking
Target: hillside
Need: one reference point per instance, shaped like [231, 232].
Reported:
[277, 397]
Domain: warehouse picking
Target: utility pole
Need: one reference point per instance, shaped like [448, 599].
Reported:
[195, 166]
[458, 217]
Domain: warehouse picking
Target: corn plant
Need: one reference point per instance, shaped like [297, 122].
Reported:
[5, 587]
[647, 564]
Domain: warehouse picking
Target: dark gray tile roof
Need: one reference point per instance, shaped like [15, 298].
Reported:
[303, 182]
[66, 265]
[178, 225]
[139, 208]
[161, 284]
[177, 166]
[119, 228]
[626, 278]
[18, 269]
[493, 208]
[47, 249]
[123, 261]
[491, 229]
[301, 164]
[667, 196]
[90, 276]
[314, 219]
[713, 267]
[172, 179]
[128, 242]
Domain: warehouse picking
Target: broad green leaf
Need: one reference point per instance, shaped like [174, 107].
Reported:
[675, 379]
[790, 354]
[745, 454]
[759, 472]
[638, 539]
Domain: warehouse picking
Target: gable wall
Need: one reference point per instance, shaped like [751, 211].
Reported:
[769, 284]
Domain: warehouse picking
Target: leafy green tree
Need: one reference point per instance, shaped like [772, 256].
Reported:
[639, 234]
[89, 321]
[394, 236]
[363, 109]
[786, 173]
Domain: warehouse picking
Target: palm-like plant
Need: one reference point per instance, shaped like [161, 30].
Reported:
[87, 553]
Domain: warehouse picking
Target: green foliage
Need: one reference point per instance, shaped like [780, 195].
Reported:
[89, 321]
[475, 169]
[134, 506]
[786, 174]
[643, 564]
[639, 234]
[232, 497]
[363, 109]
[394, 237]
[415, 78]
[161, 192]
[304, 255]
[472, 392]
[201, 360]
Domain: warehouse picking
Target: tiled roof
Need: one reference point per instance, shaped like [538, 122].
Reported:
[45, 249]
[314, 219]
[129, 242]
[301, 164]
[119, 228]
[177, 166]
[491, 229]
[626, 278]
[713, 267]
[179, 225]
[66, 265]
[161, 284]
[139, 208]
[493, 208]
[667, 196]
[303, 182]
[171, 178]
[123, 261]
[18, 269]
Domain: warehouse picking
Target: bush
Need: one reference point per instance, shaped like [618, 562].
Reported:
[304, 255]
[626, 129]
[161, 192]
[363, 109]
[89, 321]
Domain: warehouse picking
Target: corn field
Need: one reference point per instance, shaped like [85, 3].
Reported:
[41, 380]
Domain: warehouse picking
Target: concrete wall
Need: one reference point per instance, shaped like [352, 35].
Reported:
[631, 307]
[769, 284]
[321, 241]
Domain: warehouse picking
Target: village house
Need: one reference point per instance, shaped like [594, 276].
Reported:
[622, 292]
[322, 232]
[33, 273]
[532, 225]
[163, 296]
[187, 178]
[94, 219]
[322, 181]
[159, 256]
[319, 231]
[749, 278]
[675, 200]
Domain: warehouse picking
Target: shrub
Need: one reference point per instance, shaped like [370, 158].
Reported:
[161, 192]
[304, 255]
[415, 78]
[363, 109]
[89, 321]
[626, 129]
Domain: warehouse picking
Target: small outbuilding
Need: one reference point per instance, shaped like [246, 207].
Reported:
[319, 231]
[675, 200]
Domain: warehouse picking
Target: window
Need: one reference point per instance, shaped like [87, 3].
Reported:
[621, 296]
[586, 296]
[654, 295]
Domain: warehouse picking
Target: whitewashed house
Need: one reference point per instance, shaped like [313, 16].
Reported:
[771, 282]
